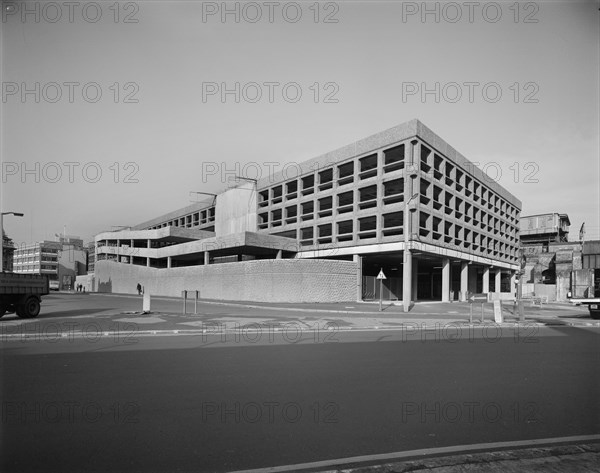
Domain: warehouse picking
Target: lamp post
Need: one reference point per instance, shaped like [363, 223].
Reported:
[2, 214]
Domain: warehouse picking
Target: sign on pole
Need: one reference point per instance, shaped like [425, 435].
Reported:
[381, 277]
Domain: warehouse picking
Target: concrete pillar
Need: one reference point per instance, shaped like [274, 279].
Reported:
[464, 280]
[486, 279]
[358, 260]
[279, 254]
[498, 279]
[415, 275]
[446, 280]
[131, 243]
[406, 280]
[513, 283]
[148, 262]
[149, 243]
[168, 261]
[206, 257]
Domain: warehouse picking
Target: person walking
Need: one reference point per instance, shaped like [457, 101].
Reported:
[139, 289]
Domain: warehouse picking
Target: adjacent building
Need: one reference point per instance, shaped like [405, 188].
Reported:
[61, 261]
[402, 201]
[544, 229]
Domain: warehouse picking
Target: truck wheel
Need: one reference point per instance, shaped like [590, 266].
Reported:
[30, 309]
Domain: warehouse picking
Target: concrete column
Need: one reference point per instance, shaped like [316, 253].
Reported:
[464, 280]
[131, 243]
[358, 260]
[486, 279]
[446, 280]
[148, 262]
[149, 243]
[168, 261]
[498, 279]
[513, 283]
[406, 279]
[415, 275]
[206, 257]
[279, 254]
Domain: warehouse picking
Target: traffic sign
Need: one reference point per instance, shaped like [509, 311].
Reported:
[381, 275]
[479, 297]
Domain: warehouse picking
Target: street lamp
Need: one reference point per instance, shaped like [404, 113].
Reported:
[2, 214]
[206, 193]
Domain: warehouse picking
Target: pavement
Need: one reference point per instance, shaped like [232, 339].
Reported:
[583, 457]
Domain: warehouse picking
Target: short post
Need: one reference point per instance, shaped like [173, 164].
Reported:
[184, 294]
[482, 312]
[471, 312]
[196, 303]
[146, 303]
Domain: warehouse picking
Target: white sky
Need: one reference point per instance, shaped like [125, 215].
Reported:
[370, 54]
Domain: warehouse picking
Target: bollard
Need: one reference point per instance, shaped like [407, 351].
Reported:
[146, 303]
[184, 294]
[471, 313]
[482, 312]
[196, 303]
[521, 313]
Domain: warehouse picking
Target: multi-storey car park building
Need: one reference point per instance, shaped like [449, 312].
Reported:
[402, 200]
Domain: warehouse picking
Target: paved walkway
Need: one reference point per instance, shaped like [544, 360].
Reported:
[559, 459]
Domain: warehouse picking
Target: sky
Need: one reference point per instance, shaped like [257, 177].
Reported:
[112, 113]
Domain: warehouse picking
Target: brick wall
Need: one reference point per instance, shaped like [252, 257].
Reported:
[284, 280]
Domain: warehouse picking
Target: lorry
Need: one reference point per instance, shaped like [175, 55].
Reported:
[592, 303]
[22, 293]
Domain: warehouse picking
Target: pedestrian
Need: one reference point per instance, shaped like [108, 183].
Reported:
[139, 289]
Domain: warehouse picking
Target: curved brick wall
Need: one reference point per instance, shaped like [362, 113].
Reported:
[284, 280]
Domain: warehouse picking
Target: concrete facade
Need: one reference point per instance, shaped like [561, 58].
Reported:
[402, 201]
[284, 280]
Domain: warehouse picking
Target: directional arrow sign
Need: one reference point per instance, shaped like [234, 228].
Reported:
[381, 275]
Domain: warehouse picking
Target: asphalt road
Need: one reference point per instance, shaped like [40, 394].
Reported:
[201, 403]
